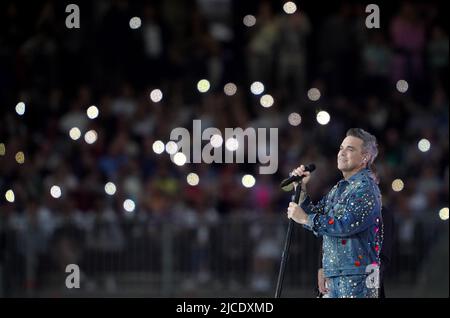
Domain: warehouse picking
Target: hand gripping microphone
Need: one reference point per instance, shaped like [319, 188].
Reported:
[286, 183]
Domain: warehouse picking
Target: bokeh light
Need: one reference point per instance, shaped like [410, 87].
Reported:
[135, 23]
[230, 89]
[257, 88]
[402, 86]
[55, 191]
[203, 85]
[248, 181]
[313, 94]
[266, 100]
[74, 133]
[424, 145]
[290, 7]
[9, 196]
[249, 20]
[192, 179]
[156, 95]
[171, 147]
[443, 214]
[397, 185]
[20, 108]
[92, 112]
[110, 188]
[158, 147]
[20, 157]
[294, 119]
[90, 137]
[129, 205]
[179, 159]
[2, 149]
[216, 141]
[232, 144]
[323, 117]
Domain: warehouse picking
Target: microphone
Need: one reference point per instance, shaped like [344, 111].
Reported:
[285, 184]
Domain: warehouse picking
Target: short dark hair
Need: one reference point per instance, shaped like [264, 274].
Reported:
[369, 145]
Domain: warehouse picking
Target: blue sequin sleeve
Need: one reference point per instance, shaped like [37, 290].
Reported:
[311, 208]
[356, 215]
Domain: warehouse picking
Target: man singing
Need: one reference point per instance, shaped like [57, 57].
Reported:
[348, 218]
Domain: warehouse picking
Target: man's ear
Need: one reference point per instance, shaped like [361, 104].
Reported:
[365, 160]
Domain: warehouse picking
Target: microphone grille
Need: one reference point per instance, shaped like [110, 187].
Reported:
[311, 167]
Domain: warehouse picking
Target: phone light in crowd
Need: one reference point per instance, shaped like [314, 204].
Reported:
[216, 141]
[257, 88]
[424, 145]
[179, 159]
[129, 205]
[232, 144]
[110, 188]
[156, 95]
[75, 133]
[397, 185]
[290, 7]
[294, 119]
[248, 181]
[266, 100]
[323, 117]
[55, 191]
[171, 147]
[192, 179]
[443, 214]
[20, 157]
[90, 137]
[203, 85]
[135, 23]
[20, 108]
[313, 94]
[9, 196]
[249, 20]
[92, 112]
[230, 89]
[158, 147]
[402, 86]
[2, 149]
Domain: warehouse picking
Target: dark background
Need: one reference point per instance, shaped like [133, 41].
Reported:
[218, 238]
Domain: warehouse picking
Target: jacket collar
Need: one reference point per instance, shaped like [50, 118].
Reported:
[356, 176]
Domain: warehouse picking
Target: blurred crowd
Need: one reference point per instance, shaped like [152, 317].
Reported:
[58, 73]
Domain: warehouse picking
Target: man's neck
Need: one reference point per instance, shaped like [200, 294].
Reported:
[348, 174]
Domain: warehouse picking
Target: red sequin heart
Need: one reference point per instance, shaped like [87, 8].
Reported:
[357, 263]
[330, 221]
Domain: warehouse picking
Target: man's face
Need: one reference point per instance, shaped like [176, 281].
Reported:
[350, 156]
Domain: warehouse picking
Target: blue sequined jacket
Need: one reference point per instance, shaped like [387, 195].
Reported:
[348, 218]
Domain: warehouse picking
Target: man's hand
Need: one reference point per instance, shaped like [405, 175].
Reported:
[296, 213]
[321, 282]
[300, 171]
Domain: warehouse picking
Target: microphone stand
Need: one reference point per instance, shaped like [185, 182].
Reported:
[287, 244]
